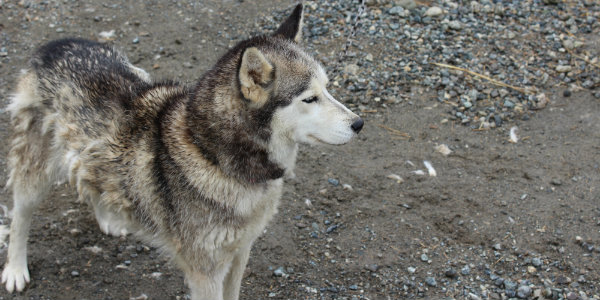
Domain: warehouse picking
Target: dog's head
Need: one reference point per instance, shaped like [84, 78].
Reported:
[284, 86]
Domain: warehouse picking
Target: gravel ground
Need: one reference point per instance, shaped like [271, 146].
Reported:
[501, 220]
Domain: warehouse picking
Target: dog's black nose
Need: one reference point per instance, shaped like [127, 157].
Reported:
[357, 125]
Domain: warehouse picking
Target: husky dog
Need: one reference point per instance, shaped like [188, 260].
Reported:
[196, 171]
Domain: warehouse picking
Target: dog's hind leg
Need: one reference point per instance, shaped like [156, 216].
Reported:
[26, 199]
[111, 222]
[29, 178]
[233, 281]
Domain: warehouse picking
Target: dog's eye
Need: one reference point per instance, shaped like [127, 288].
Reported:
[310, 100]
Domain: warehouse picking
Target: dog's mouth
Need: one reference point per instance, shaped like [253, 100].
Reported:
[319, 141]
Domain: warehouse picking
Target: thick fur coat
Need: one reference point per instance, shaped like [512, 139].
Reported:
[196, 171]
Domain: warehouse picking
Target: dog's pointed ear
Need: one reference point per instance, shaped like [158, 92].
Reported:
[291, 28]
[255, 73]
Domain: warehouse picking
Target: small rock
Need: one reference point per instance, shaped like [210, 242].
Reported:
[433, 11]
[497, 247]
[372, 267]
[353, 287]
[563, 280]
[75, 274]
[572, 296]
[451, 273]
[430, 281]
[406, 4]
[424, 257]
[331, 228]
[397, 10]
[466, 270]
[473, 297]
[531, 270]
[523, 292]
[456, 25]
[556, 182]
[509, 285]
[567, 93]
[136, 40]
[279, 272]
[563, 69]
[411, 270]
[508, 104]
[536, 262]
[333, 181]
[351, 69]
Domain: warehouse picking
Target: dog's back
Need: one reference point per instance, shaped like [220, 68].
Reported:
[78, 79]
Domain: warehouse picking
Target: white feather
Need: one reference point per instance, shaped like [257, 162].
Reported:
[396, 177]
[513, 135]
[430, 168]
[418, 172]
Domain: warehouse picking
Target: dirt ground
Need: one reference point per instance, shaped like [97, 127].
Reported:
[494, 205]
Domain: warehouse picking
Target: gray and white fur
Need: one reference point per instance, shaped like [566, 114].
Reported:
[196, 171]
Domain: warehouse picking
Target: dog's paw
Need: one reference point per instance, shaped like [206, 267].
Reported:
[113, 229]
[15, 277]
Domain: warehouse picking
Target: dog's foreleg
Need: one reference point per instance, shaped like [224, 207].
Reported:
[15, 274]
[233, 281]
[207, 287]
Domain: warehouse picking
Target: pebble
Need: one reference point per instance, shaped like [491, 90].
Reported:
[509, 285]
[451, 273]
[572, 296]
[75, 273]
[536, 262]
[411, 270]
[523, 292]
[456, 25]
[433, 11]
[508, 104]
[333, 181]
[406, 4]
[424, 257]
[466, 270]
[563, 69]
[398, 11]
[372, 267]
[331, 228]
[567, 93]
[430, 281]
[279, 272]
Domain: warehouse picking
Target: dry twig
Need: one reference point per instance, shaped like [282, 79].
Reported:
[493, 81]
[395, 131]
